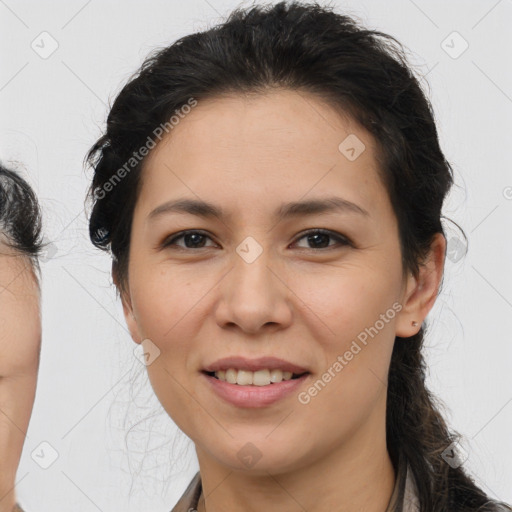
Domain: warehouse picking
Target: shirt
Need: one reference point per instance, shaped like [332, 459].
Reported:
[403, 499]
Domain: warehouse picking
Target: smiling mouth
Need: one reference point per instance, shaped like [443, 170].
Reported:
[258, 378]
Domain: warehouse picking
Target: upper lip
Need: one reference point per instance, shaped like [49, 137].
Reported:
[253, 365]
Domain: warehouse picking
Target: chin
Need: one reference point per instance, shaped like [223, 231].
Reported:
[258, 457]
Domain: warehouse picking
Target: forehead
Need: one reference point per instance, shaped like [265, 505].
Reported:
[263, 124]
[266, 145]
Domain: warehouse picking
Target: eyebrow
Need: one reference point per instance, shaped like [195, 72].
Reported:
[295, 209]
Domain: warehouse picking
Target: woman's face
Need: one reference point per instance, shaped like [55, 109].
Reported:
[251, 283]
[20, 342]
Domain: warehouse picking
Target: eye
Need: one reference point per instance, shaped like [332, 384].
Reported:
[192, 238]
[320, 237]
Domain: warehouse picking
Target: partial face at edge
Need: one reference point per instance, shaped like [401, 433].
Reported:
[20, 342]
[304, 299]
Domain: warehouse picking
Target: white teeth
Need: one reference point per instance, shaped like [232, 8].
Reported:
[276, 376]
[261, 378]
[247, 378]
[244, 378]
[230, 375]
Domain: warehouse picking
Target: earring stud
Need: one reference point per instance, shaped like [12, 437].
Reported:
[414, 323]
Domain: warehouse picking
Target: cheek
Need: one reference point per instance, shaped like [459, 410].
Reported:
[167, 305]
[20, 333]
[164, 313]
[346, 301]
[160, 299]
[355, 336]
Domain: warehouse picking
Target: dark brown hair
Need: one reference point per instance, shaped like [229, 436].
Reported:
[20, 215]
[363, 73]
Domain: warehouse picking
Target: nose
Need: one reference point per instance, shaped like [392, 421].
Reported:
[254, 297]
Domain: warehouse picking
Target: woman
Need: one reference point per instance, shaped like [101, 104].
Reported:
[20, 331]
[271, 193]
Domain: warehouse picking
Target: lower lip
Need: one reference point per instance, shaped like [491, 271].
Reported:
[254, 396]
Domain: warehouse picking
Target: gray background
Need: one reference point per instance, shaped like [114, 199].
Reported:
[93, 398]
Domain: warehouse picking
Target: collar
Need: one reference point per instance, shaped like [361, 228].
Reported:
[403, 499]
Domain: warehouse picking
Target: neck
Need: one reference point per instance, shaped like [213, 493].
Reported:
[356, 475]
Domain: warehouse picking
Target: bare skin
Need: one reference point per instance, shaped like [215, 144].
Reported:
[20, 342]
[296, 301]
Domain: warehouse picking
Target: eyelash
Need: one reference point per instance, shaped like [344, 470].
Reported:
[342, 240]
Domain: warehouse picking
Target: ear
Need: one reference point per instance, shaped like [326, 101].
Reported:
[129, 315]
[420, 292]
